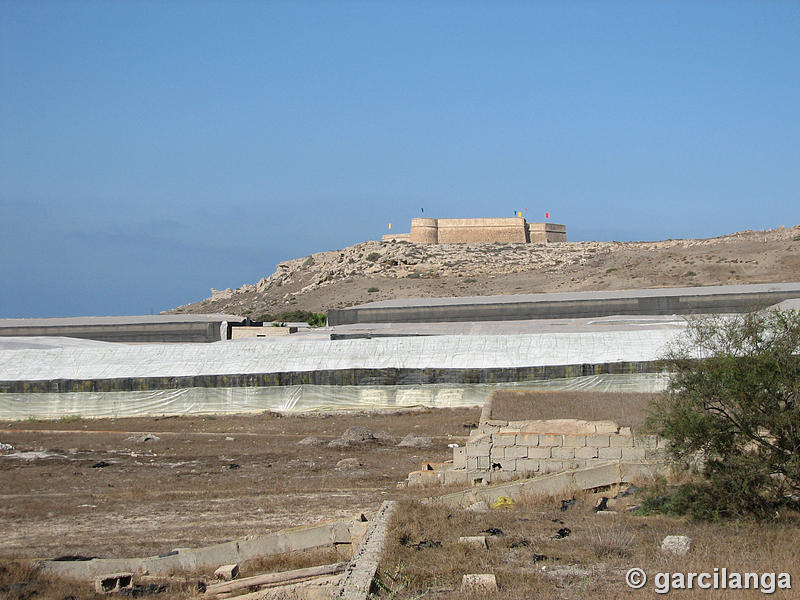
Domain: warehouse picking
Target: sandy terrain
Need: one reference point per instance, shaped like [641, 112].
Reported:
[184, 490]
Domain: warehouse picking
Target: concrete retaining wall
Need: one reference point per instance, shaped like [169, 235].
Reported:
[330, 533]
[668, 301]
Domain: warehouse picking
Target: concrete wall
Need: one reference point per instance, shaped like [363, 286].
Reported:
[126, 332]
[463, 231]
[575, 305]
[396, 237]
[500, 451]
[238, 333]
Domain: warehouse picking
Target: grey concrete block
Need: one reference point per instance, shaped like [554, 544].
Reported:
[560, 452]
[621, 441]
[478, 583]
[455, 477]
[477, 542]
[551, 466]
[472, 463]
[517, 452]
[483, 462]
[550, 440]
[598, 441]
[633, 453]
[574, 441]
[227, 572]
[586, 452]
[460, 457]
[497, 454]
[527, 465]
[504, 439]
[609, 453]
[478, 450]
[527, 439]
[113, 582]
[508, 464]
[540, 452]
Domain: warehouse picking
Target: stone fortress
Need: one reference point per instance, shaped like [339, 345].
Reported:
[465, 231]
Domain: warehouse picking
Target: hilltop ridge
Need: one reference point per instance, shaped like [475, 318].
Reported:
[375, 270]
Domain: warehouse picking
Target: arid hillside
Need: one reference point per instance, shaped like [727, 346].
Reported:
[381, 270]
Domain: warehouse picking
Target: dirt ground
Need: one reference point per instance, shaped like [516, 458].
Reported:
[207, 480]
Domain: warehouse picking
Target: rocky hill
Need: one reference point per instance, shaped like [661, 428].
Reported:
[380, 270]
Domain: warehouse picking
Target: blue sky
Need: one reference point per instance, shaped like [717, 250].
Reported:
[152, 150]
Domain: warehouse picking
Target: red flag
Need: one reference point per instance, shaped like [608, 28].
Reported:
[546, 215]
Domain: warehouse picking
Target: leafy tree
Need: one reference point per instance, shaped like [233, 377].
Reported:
[731, 408]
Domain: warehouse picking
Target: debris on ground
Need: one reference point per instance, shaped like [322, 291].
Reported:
[566, 504]
[101, 464]
[562, 533]
[311, 441]
[348, 463]
[416, 441]
[478, 583]
[141, 438]
[676, 544]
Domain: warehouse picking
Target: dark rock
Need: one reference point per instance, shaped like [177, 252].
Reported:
[602, 504]
[493, 531]
[562, 533]
[101, 465]
[565, 504]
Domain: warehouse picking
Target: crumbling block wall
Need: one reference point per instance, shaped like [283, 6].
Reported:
[504, 450]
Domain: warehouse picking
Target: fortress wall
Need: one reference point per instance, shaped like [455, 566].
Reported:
[464, 231]
[459, 231]
[546, 232]
[424, 231]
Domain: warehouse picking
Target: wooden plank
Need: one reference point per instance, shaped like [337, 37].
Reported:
[268, 578]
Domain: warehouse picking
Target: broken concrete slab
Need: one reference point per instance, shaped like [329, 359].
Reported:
[477, 542]
[477, 583]
[113, 582]
[227, 572]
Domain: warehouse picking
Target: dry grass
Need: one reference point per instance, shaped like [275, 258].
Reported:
[626, 409]
[289, 561]
[590, 563]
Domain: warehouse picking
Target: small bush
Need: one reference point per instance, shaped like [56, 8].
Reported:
[732, 410]
[372, 290]
[309, 261]
[373, 256]
[690, 274]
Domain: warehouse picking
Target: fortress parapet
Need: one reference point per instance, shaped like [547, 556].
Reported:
[465, 231]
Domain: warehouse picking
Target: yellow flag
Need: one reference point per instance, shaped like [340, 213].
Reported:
[390, 225]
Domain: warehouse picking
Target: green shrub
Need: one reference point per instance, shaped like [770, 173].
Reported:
[373, 256]
[731, 409]
[296, 316]
[372, 290]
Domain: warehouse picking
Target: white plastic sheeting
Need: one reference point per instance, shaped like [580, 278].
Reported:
[294, 398]
[110, 361]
